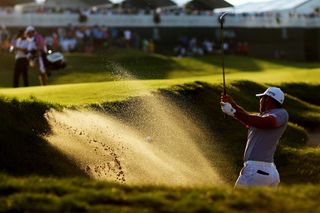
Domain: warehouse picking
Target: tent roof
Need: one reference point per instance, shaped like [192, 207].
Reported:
[65, 4]
[207, 4]
[274, 5]
[96, 2]
[7, 3]
[143, 4]
[74, 3]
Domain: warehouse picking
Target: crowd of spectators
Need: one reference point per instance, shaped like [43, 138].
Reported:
[191, 46]
[86, 39]
[89, 39]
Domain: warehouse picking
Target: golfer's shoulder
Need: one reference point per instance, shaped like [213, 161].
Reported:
[280, 114]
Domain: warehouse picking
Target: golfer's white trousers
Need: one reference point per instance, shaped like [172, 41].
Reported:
[256, 173]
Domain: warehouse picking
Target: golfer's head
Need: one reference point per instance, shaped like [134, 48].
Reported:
[272, 97]
[30, 31]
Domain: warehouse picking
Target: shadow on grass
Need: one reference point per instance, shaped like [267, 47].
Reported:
[138, 64]
[249, 64]
[245, 64]
[142, 65]
[295, 64]
[101, 66]
[22, 150]
[306, 92]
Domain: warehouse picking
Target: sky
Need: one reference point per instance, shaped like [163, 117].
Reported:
[181, 2]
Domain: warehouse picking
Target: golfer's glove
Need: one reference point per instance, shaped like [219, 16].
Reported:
[228, 109]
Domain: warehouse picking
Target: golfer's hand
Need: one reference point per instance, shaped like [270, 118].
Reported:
[227, 108]
[227, 98]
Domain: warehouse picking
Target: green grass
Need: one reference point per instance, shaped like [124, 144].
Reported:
[34, 194]
[89, 93]
[109, 65]
[99, 75]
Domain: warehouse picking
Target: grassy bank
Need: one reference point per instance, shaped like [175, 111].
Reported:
[23, 124]
[34, 194]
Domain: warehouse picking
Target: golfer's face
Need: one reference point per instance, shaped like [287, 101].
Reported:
[263, 103]
[30, 34]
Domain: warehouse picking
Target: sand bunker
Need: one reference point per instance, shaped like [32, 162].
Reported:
[157, 144]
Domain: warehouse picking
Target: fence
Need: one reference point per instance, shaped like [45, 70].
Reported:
[244, 21]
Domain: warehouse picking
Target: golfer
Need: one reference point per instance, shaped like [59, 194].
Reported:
[264, 132]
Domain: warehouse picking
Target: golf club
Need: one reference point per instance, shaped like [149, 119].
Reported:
[221, 19]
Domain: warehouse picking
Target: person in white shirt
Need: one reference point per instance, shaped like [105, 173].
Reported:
[21, 65]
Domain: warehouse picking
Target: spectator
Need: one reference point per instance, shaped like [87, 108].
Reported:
[145, 45]
[4, 38]
[79, 34]
[207, 46]
[151, 46]
[36, 50]
[226, 47]
[21, 65]
[246, 48]
[127, 38]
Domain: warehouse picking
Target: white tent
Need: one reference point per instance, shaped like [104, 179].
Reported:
[61, 4]
[299, 6]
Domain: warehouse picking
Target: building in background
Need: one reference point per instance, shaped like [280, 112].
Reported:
[58, 5]
[287, 29]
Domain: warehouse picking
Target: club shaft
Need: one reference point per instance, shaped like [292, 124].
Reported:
[222, 51]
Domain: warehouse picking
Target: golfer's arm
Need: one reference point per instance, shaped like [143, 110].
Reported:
[243, 116]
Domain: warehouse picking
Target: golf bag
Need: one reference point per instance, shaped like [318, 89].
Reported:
[53, 60]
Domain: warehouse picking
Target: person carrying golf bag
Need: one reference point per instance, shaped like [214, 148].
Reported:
[36, 48]
[38, 54]
[264, 131]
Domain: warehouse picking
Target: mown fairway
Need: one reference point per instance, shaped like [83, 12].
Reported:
[37, 177]
[156, 71]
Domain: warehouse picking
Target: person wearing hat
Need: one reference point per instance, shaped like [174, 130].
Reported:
[264, 131]
[36, 49]
[20, 47]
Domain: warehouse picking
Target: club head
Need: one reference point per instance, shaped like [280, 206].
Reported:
[221, 17]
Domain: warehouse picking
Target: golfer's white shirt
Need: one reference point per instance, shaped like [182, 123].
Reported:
[262, 143]
[21, 44]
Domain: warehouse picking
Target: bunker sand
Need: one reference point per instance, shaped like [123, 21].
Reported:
[150, 148]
